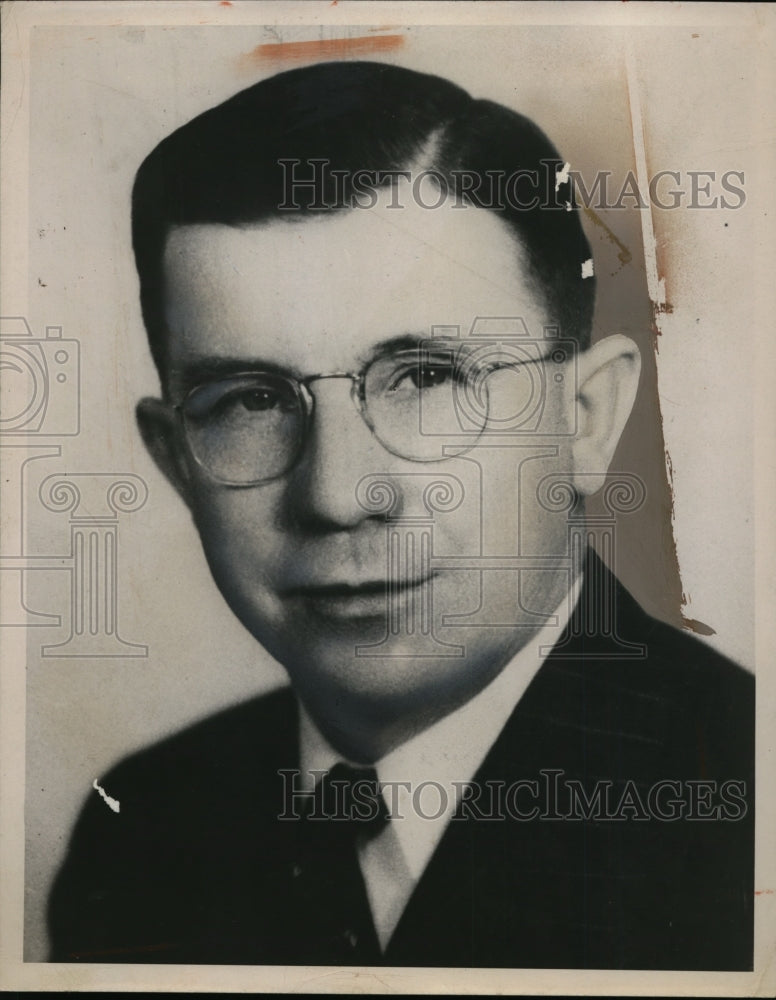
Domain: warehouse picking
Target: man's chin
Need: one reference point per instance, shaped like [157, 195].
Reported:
[377, 669]
[366, 705]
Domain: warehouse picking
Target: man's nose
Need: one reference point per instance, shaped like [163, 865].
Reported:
[339, 451]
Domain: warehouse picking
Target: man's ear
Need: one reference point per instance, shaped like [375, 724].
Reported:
[159, 430]
[608, 374]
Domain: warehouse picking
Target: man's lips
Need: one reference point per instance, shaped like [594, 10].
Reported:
[347, 600]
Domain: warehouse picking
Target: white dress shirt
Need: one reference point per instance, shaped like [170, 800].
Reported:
[437, 763]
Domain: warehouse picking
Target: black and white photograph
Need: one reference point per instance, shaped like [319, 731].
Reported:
[452, 671]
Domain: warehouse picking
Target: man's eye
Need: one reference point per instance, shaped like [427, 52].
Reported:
[258, 399]
[429, 375]
[218, 402]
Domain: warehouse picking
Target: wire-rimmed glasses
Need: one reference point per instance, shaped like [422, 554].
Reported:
[251, 427]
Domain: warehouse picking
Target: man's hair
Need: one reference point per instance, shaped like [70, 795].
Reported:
[225, 167]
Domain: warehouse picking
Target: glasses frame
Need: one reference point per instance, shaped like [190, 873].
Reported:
[301, 389]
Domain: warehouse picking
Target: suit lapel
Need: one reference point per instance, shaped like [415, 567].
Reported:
[505, 890]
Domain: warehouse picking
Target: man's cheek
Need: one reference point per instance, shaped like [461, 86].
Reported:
[238, 553]
[248, 590]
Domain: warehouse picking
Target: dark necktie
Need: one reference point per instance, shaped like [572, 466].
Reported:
[333, 921]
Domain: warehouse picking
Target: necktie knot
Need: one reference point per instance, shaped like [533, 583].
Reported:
[351, 797]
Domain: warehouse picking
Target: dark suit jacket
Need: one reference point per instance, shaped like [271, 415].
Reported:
[196, 868]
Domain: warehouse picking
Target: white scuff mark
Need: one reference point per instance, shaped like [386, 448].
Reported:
[569, 206]
[112, 803]
[656, 285]
[587, 268]
[562, 176]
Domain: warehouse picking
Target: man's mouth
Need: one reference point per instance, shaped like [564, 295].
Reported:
[354, 601]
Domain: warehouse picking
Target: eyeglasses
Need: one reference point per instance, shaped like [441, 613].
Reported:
[423, 404]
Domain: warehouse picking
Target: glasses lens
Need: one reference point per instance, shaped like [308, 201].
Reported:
[245, 429]
[506, 381]
[413, 401]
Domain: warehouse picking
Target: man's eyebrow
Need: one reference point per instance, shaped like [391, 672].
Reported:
[207, 368]
[402, 342]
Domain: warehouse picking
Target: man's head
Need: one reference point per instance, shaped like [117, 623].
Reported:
[247, 305]
[367, 122]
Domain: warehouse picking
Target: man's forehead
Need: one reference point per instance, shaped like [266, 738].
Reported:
[398, 228]
[357, 276]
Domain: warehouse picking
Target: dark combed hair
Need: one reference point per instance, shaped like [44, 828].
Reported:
[224, 166]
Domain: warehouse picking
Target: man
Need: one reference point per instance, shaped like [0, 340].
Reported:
[382, 408]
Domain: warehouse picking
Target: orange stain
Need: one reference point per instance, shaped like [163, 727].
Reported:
[624, 255]
[329, 48]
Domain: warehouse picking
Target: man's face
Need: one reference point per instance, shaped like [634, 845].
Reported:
[300, 560]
